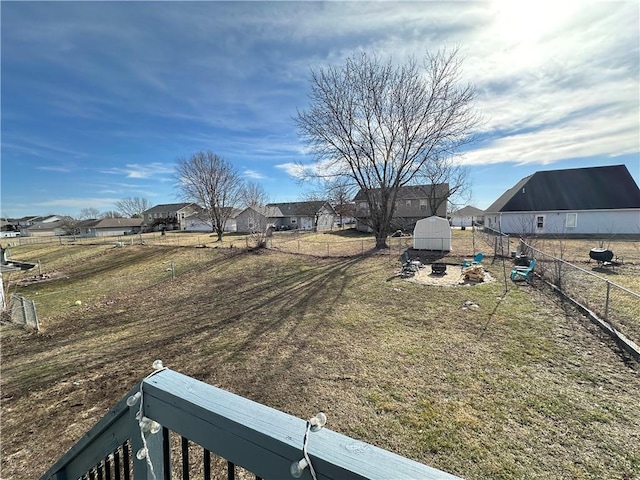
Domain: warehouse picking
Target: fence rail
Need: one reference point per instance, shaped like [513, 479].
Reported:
[614, 304]
[260, 439]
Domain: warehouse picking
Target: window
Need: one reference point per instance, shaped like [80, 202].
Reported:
[423, 205]
[408, 203]
[539, 222]
[250, 224]
[293, 220]
[572, 220]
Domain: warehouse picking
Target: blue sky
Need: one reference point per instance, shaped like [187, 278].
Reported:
[100, 99]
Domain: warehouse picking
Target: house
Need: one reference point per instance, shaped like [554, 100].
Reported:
[466, 217]
[413, 202]
[46, 229]
[110, 227]
[200, 222]
[576, 201]
[170, 216]
[256, 219]
[313, 215]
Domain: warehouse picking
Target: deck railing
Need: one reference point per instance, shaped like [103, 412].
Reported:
[260, 439]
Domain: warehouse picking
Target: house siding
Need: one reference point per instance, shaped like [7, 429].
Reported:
[250, 217]
[588, 222]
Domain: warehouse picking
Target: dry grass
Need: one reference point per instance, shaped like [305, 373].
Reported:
[519, 387]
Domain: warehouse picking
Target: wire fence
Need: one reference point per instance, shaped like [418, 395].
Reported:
[614, 304]
[298, 244]
[23, 312]
[501, 243]
[175, 238]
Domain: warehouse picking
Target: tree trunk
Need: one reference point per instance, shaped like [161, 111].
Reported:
[381, 238]
[381, 242]
[219, 232]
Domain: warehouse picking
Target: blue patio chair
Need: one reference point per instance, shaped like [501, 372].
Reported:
[523, 272]
[471, 263]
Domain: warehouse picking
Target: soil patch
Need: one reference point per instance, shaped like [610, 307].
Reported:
[453, 277]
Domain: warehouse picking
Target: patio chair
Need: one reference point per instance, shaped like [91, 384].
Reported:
[523, 272]
[471, 263]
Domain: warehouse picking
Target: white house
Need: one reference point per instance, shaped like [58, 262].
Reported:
[571, 202]
[200, 222]
[466, 217]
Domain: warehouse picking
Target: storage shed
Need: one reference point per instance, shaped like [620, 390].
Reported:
[433, 233]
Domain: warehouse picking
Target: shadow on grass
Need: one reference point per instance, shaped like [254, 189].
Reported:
[220, 320]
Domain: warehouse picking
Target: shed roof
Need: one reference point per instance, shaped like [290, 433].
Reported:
[592, 188]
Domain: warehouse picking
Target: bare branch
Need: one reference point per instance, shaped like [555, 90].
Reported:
[132, 207]
[384, 126]
[213, 183]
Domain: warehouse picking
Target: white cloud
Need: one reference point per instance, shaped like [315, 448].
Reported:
[149, 170]
[253, 174]
[79, 203]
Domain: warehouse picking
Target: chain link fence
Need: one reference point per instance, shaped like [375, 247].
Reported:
[501, 244]
[23, 312]
[615, 305]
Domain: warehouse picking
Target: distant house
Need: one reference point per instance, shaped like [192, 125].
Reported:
[169, 216]
[312, 216]
[576, 201]
[466, 217]
[200, 222]
[110, 227]
[412, 203]
[46, 229]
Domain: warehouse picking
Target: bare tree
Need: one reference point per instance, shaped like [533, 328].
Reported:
[254, 195]
[212, 182]
[382, 125]
[111, 214]
[132, 207]
[339, 191]
[445, 170]
[89, 213]
[70, 225]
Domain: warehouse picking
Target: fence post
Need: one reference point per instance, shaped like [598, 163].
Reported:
[35, 316]
[39, 268]
[173, 270]
[362, 243]
[327, 249]
[606, 303]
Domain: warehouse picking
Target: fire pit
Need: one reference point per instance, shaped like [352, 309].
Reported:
[601, 255]
[438, 268]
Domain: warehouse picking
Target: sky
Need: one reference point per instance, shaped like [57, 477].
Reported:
[99, 100]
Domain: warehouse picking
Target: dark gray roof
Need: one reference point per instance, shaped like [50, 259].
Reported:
[592, 188]
[468, 211]
[168, 207]
[302, 209]
[410, 192]
[117, 222]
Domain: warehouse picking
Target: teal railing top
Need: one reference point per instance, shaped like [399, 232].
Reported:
[258, 438]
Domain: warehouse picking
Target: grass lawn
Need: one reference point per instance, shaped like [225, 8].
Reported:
[517, 387]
